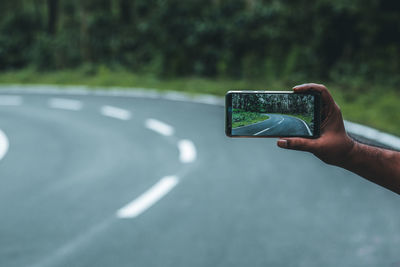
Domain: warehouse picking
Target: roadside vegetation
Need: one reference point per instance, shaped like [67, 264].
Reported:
[243, 118]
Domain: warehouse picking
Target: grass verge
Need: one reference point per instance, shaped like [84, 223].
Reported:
[243, 118]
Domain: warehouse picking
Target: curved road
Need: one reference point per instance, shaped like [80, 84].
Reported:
[103, 180]
[275, 125]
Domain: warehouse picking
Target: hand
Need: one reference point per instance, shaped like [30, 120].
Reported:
[334, 145]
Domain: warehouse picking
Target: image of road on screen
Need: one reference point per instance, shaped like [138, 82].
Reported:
[277, 114]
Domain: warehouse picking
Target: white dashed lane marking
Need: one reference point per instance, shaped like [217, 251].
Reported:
[187, 151]
[114, 112]
[260, 132]
[67, 104]
[148, 198]
[358, 129]
[4, 144]
[10, 100]
[159, 127]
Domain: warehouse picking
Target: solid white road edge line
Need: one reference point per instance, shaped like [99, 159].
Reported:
[187, 151]
[10, 100]
[371, 133]
[159, 127]
[114, 112]
[308, 128]
[4, 144]
[68, 104]
[148, 198]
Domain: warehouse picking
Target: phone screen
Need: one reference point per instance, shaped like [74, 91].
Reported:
[272, 114]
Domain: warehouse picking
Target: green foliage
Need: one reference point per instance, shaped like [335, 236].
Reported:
[243, 118]
[251, 39]
[307, 118]
[273, 103]
[17, 34]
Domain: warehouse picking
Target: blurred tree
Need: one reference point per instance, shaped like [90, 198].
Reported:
[52, 9]
[253, 39]
[125, 11]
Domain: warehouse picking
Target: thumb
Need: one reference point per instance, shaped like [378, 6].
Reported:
[302, 144]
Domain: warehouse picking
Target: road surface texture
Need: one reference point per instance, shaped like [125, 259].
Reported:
[276, 125]
[102, 180]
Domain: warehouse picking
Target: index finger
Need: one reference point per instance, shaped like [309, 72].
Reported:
[326, 96]
[310, 86]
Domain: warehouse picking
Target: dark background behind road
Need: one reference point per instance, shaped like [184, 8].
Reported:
[290, 40]
[241, 202]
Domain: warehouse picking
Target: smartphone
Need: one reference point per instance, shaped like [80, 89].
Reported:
[273, 114]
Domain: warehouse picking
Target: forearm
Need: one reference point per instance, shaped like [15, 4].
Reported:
[378, 165]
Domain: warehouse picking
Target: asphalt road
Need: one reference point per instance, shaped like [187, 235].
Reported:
[90, 180]
[276, 125]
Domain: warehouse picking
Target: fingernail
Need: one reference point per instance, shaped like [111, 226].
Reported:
[282, 143]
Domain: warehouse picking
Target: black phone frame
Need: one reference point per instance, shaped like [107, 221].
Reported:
[317, 113]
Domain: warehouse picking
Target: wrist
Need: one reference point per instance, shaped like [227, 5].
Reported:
[350, 154]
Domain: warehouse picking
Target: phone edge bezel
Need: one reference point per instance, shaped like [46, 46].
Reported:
[317, 113]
